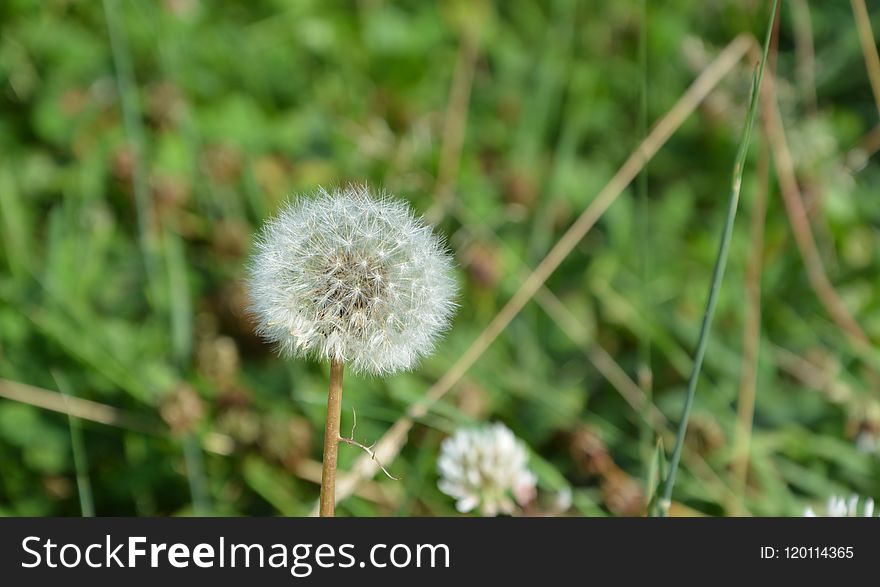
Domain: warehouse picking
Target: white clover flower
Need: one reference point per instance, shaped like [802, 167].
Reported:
[838, 507]
[354, 278]
[485, 467]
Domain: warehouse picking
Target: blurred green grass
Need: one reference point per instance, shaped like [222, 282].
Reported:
[141, 148]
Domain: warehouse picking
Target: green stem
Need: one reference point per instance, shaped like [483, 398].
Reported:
[195, 475]
[717, 271]
[643, 243]
[80, 457]
[134, 132]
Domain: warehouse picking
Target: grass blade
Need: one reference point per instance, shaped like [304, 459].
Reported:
[80, 458]
[718, 270]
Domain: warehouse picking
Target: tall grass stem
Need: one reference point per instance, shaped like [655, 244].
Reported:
[80, 457]
[718, 270]
[644, 374]
[127, 89]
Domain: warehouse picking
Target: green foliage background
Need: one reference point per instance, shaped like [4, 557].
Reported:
[144, 142]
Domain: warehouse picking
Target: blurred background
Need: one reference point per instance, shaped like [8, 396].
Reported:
[143, 143]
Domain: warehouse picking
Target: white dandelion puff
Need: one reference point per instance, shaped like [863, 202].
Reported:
[353, 278]
[840, 507]
[486, 467]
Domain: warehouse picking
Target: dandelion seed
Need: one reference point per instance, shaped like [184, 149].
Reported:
[486, 467]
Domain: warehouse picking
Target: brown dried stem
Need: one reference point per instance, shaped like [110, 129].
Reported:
[869, 48]
[805, 53]
[455, 120]
[745, 407]
[800, 225]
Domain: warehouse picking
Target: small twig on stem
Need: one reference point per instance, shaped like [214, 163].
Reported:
[367, 449]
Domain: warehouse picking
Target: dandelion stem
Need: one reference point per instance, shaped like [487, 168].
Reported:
[331, 440]
[717, 271]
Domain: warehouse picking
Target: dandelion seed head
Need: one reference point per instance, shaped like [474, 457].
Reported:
[486, 467]
[353, 277]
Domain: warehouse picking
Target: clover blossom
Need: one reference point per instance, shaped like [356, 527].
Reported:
[839, 507]
[486, 467]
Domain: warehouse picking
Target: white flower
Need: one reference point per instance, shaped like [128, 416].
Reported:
[485, 467]
[354, 278]
[838, 507]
